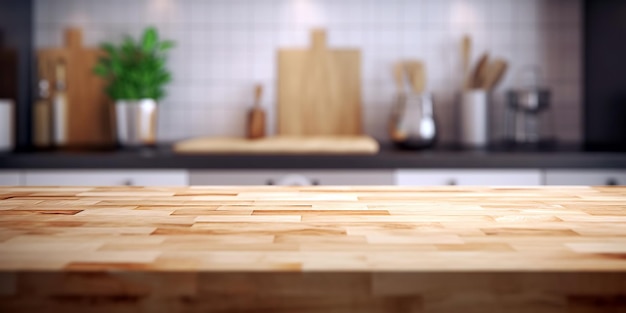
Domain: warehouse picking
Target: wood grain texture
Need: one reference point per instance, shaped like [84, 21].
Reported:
[319, 90]
[312, 249]
[89, 114]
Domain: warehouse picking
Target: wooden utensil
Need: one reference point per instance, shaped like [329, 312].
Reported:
[42, 109]
[417, 76]
[319, 90]
[60, 110]
[256, 116]
[88, 111]
[495, 72]
[41, 124]
[466, 55]
[480, 70]
[399, 79]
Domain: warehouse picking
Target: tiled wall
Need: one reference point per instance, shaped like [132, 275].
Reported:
[226, 46]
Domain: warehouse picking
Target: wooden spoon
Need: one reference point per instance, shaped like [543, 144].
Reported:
[495, 72]
[416, 72]
[466, 54]
[398, 75]
[478, 75]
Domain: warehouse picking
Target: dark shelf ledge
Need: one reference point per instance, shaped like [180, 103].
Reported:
[162, 157]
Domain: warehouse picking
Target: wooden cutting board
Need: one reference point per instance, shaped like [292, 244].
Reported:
[89, 114]
[280, 145]
[319, 90]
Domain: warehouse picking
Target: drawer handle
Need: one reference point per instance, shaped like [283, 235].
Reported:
[451, 182]
[294, 180]
[612, 182]
[128, 182]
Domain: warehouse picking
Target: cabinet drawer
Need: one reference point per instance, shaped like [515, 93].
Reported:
[586, 177]
[291, 178]
[107, 178]
[10, 178]
[461, 177]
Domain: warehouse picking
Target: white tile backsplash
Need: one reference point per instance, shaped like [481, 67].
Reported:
[225, 47]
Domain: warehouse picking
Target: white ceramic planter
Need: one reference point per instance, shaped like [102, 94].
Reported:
[136, 122]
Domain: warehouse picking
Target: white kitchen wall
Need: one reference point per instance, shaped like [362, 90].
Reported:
[226, 46]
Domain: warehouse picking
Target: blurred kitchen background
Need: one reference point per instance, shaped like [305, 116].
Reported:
[225, 48]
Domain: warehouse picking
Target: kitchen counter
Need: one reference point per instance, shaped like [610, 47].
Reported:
[162, 157]
[313, 249]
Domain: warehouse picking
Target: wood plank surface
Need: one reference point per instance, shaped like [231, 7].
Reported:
[312, 249]
[319, 90]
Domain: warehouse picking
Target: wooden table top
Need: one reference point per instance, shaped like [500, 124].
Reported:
[313, 228]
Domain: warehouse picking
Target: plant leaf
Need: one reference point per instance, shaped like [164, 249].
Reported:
[135, 69]
[101, 70]
[150, 39]
[109, 48]
[166, 45]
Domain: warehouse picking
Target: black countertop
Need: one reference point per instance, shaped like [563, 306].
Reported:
[162, 157]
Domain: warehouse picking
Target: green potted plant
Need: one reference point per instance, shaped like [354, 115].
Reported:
[136, 75]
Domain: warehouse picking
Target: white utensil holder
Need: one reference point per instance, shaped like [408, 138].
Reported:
[474, 118]
[6, 125]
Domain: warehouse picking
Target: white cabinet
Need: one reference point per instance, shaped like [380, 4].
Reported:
[106, 177]
[292, 177]
[401, 177]
[10, 178]
[586, 177]
[466, 177]
[405, 177]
